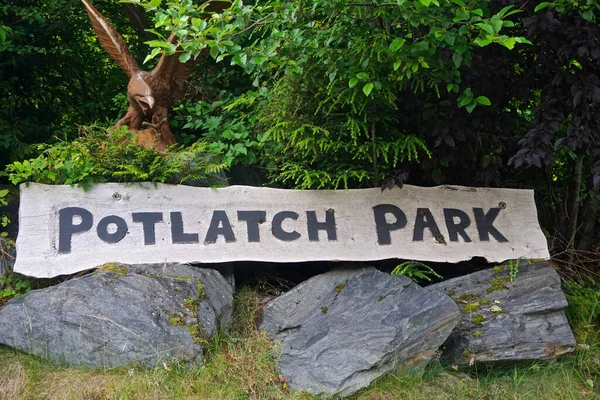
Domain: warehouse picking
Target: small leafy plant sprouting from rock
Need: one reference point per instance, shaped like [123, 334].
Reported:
[416, 271]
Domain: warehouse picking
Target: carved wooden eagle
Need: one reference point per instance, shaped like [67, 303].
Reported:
[150, 94]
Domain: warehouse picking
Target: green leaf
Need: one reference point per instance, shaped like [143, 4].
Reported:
[464, 101]
[363, 76]
[457, 59]
[486, 27]
[352, 82]
[426, 3]
[397, 44]
[153, 54]
[497, 25]
[541, 6]
[588, 15]
[185, 57]
[482, 42]
[509, 43]
[470, 107]
[368, 88]
[483, 100]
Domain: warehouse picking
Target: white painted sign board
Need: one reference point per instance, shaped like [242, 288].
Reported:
[64, 230]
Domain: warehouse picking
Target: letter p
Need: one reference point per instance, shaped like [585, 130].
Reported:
[66, 227]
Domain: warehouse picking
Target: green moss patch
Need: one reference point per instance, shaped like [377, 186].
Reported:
[478, 319]
[497, 284]
[192, 305]
[114, 268]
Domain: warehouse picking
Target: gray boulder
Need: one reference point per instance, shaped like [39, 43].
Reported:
[121, 314]
[508, 321]
[341, 330]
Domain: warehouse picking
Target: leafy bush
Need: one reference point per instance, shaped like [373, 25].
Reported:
[12, 286]
[101, 156]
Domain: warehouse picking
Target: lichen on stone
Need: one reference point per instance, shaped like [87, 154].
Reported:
[114, 268]
[176, 320]
[340, 287]
[472, 307]
[498, 269]
[192, 305]
[497, 284]
[468, 297]
[200, 290]
[477, 319]
[198, 334]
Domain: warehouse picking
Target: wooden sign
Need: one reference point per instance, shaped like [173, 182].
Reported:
[63, 230]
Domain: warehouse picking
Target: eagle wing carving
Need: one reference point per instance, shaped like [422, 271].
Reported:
[112, 41]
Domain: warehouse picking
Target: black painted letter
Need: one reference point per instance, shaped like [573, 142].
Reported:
[219, 217]
[116, 236]
[177, 234]
[455, 229]
[278, 231]
[253, 219]
[424, 220]
[383, 227]
[315, 226]
[66, 228]
[148, 220]
[485, 225]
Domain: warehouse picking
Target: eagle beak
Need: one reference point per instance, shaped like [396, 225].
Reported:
[146, 103]
[149, 101]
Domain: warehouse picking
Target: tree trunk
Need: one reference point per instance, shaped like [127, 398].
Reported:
[573, 201]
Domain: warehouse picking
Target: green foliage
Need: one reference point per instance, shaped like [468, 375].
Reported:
[417, 271]
[101, 156]
[584, 308]
[4, 221]
[12, 286]
[327, 77]
[228, 135]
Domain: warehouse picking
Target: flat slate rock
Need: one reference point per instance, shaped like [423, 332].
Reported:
[341, 330]
[508, 321]
[121, 314]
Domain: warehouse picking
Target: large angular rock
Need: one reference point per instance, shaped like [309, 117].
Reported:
[121, 314]
[507, 321]
[341, 330]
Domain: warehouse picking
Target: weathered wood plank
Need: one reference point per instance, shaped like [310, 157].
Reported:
[64, 230]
